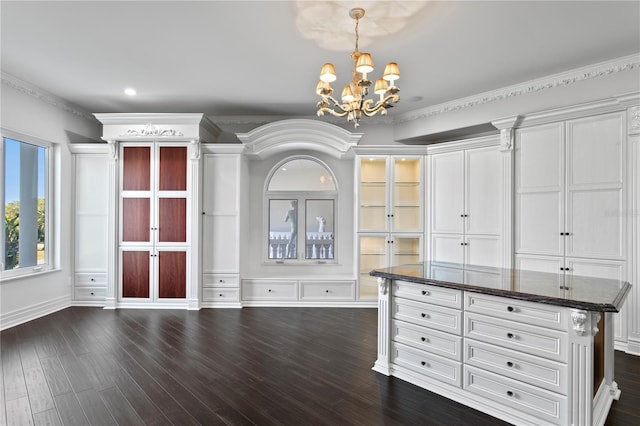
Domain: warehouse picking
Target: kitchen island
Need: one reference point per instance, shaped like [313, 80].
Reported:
[527, 347]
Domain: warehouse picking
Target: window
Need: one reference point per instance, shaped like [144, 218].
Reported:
[26, 209]
[301, 195]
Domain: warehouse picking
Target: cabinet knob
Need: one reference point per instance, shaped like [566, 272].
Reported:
[221, 281]
[92, 293]
[220, 294]
[92, 279]
[510, 308]
[424, 315]
[270, 290]
[424, 364]
[510, 335]
[424, 339]
[326, 291]
[509, 393]
[425, 293]
[509, 364]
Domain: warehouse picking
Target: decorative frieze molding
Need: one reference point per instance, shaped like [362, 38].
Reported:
[602, 69]
[44, 96]
[151, 130]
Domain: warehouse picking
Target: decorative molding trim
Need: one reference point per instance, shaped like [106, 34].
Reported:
[44, 96]
[286, 135]
[89, 148]
[113, 149]
[194, 147]
[29, 313]
[633, 120]
[602, 69]
[151, 130]
[581, 320]
[506, 139]
[383, 285]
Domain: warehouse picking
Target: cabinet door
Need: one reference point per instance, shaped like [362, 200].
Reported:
[447, 194]
[405, 249]
[136, 219]
[172, 274]
[539, 166]
[447, 248]
[372, 255]
[373, 192]
[595, 201]
[483, 250]
[407, 194]
[135, 265]
[483, 191]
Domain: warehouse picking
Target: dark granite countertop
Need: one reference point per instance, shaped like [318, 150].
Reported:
[586, 293]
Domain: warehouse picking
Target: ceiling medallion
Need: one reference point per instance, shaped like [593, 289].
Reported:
[354, 95]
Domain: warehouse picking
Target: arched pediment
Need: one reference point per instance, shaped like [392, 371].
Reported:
[303, 134]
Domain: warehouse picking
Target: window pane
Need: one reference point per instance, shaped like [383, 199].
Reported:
[25, 203]
[302, 175]
[283, 229]
[319, 229]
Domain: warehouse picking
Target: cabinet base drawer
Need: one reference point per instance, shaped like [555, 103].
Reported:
[428, 364]
[90, 293]
[432, 316]
[427, 339]
[550, 407]
[230, 295]
[90, 279]
[220, 280]
[428, 294]
[328, 290]
[269, 290]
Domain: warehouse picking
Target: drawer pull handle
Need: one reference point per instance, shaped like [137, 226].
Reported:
[510, 308]
[425, 293]
[92, 294]
[425, 315]
[93, 279]
[424, 364]
[510, 335]
[509, 364]
[270, 290]
[220, 294]
[326, 291]
[424, 339]
[509, 393]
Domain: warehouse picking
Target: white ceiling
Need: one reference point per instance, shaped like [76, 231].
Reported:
[250, 57]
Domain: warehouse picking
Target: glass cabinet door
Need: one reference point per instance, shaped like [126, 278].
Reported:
[405, 249]
[406, 194]
[373, 255]
[373, 195]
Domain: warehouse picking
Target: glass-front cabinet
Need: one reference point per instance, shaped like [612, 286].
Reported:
[390, 200]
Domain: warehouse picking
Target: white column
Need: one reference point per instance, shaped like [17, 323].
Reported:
[111, 296]
[581, 363]
[384, 326]
[194, 287]
[28, 241]
[633, 303]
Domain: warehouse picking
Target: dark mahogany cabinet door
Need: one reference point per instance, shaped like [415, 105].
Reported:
[135, 219]
[172, 274]
[173, 168]
[136, 168]
[135, 274]
[172, 220]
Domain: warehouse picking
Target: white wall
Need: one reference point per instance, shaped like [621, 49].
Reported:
[27, 110]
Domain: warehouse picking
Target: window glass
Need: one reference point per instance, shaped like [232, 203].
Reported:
[25, 235]
[283, 229]
[302, 174]
[319, 229]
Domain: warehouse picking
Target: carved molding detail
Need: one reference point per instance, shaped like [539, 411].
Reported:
[383, 285]
[151, 130]
[113, 149]
[506, 139]
[581, 327]
[195, 149]
[634, 120]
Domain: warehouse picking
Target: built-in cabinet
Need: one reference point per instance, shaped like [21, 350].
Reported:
[570, 195]
[390, 215]
[221, 242]
[466, 203]
[91, 219]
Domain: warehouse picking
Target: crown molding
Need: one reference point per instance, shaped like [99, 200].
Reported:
[602, 69]
[43, 96]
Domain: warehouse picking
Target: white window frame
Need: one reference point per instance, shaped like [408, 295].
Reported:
[49, 247]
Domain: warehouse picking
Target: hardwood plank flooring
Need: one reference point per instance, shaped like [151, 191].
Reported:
[252, 366]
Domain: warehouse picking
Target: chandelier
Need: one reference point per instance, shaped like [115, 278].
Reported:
[354, 95]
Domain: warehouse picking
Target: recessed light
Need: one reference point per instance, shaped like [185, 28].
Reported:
[130, 91]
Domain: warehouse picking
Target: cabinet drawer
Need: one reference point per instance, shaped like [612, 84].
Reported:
[518, 310]
[427, 293]
[220, 280]
[328, 290]
[90, 293]
[269, 290]
[433, 316]
[427, 339]
[221, 295]
[530, 369]
[550, 407]
[442, 369]
[90, 279]
[530, 339]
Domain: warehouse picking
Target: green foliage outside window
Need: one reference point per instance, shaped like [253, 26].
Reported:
[12, 233]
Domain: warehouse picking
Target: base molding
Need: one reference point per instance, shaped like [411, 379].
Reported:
[29, 313]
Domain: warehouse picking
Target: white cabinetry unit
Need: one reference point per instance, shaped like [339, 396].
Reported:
[466, 203]
[221, 225]
[298, 292]
[390, 210]
[91, 220]
[570, 198]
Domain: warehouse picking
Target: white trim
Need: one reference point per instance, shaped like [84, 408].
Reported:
[89, 148]
[29, 313]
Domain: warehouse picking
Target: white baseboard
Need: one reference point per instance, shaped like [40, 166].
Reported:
[20, 316]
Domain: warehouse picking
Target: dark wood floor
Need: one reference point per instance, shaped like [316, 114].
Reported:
[263, 366]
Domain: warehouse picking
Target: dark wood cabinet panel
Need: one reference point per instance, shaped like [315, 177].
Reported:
[135, 219]
[135, 274]
[136, 168]
[172, 220]
[172, 274]
[173, 168]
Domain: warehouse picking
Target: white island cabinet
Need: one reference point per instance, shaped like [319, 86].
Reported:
[516, 345]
